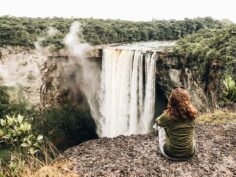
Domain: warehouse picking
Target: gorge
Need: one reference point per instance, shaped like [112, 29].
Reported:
[134, 82]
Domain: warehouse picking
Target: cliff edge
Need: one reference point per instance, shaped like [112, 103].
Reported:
[139, 155]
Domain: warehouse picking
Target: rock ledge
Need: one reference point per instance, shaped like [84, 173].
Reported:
[138, 155]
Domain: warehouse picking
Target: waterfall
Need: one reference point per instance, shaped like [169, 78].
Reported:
[127, 92]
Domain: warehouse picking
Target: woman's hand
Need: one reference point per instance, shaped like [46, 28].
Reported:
[155, 127]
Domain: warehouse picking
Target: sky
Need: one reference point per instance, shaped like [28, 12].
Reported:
[136, 10]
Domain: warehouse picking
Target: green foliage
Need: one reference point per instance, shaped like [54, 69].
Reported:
[229, 91]
[24, 164]
[63, 125]
[9, 106]
[212, 54]
[20, 148]
[11, 167]
[207, 45]
[4, 101]
[16, 132]
[25, 31]
[66, 125]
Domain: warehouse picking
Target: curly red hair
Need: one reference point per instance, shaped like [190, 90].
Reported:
[179, 105]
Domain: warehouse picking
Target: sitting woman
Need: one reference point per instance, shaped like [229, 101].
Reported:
[176, 125]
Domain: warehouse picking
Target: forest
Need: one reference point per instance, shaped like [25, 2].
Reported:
[26, 31]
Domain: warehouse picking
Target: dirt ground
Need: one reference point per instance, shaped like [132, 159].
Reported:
[139, 155]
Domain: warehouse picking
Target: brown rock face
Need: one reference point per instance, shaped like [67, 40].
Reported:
[171, 71]
[20, 69]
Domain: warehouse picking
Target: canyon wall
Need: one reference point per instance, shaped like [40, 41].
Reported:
[20, 70]
[39, 76]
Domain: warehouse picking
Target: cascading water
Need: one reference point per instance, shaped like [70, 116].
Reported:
[127, 92]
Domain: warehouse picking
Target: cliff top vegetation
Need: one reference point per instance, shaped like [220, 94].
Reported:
[24, 31]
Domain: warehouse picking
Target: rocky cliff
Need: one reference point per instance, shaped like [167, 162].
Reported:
[171, 71]
[39, 73]
[20, 70]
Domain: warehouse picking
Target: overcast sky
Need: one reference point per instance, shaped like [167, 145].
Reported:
[138, 10]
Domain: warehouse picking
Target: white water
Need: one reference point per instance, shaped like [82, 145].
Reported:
[127, 92]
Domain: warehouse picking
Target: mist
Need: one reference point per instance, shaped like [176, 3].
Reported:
[80, 73]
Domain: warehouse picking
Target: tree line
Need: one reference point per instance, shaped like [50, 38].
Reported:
[24, 31]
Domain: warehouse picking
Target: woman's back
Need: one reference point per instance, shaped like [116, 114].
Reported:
[179, 136]
[176, 126]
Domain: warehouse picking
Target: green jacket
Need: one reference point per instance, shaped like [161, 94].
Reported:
[179, 136]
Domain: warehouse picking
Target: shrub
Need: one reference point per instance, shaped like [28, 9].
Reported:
[20, 147]
[22, 164]
[229, 92]
[64, 125]
[22, 151]
[16, 132]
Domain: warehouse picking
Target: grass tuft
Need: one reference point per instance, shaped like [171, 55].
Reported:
[218, 117]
